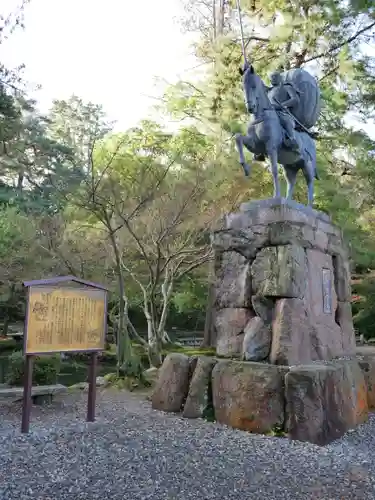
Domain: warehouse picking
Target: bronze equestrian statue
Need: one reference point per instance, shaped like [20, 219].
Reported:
[283, 114]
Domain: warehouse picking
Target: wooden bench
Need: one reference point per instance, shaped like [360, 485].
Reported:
[40, 394]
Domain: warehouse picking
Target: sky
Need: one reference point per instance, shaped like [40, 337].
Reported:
[109, 52]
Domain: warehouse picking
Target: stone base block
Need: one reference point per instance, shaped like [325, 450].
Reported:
[248, 396]
[199, 399]
[282, 286]
[368, 368]
[173, 383]
[323, 401]
[315, 402]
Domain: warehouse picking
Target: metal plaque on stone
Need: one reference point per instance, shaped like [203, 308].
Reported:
[327, 291]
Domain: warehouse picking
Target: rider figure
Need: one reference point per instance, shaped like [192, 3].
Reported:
[283, 97]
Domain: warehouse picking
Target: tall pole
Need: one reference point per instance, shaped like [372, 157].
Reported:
[241, 28]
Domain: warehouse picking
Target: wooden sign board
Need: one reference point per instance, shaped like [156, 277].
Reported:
[63, 319]
[63, 314]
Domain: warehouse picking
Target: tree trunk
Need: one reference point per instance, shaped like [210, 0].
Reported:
[165, 338]
[135, 334]
[154, 344]
[8, 307]
[20, 180]
[125, 359]
[208, 336]
[166, 290]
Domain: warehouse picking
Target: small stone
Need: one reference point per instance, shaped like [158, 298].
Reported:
[263, 307]
[257, 340]
[101, 381]
[83, 386]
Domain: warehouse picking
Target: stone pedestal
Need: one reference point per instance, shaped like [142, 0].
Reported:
[282, 286]
[282, 305]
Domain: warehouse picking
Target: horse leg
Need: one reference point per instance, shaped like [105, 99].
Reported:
[272, 155]
[309, 173]
[240, 141]
[290, 174]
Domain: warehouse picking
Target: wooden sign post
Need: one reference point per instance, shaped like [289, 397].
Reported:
[63, 314]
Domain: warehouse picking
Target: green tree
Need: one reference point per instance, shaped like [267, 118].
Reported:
[21, 258]
[329, 40]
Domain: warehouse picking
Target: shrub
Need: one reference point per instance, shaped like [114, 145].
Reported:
[84, 357]
[363, 306]
[45, 369]
[9, 345]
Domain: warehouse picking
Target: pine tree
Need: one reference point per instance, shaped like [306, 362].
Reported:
[329, 39]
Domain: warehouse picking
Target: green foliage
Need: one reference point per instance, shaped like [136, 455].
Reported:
[76, 198]
[45, 369]
[141, 352]
[191, 296]
[209, 413]
[364, 306]
[190, 351]
[8, 345]
[129, 382]
[277, 431]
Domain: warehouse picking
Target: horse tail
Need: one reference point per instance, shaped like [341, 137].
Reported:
[312, 155]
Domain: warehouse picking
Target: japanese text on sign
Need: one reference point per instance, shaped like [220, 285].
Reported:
[65, 319]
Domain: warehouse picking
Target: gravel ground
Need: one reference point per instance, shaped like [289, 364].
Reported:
[132, 452]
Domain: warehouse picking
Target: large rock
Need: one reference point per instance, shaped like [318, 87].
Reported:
[321, 299]
[321, 293]
[199, 397]
[232, 281]
[342, 278]
[173, 383]
[240, 236]
[280, 272]
[246, 242]
[354, 392]
[248, 396]
[323, 401]
[344, 319]
[292, 341]
[368, 368]
[230, 324]
[317, 327]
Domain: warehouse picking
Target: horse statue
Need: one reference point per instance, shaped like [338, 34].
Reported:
[283, 115]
